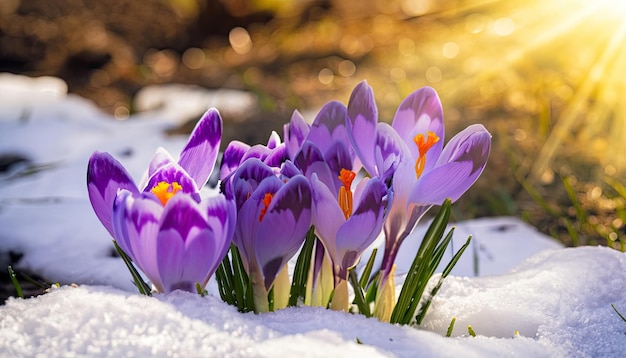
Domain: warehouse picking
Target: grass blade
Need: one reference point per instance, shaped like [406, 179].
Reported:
[367, 271]
[142, 286]
[241, 283]
[16, 284]
[372, 290]
[224, 284]
[470, 330]
[451, 327]
[359, 297]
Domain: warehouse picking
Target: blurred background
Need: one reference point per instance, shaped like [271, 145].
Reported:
[547, 79]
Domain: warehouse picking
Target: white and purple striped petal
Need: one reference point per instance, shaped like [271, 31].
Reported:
[329, 126]
[171, 173]
[327, 215]
[295, 133]
[363, 226]
[232, 157]
[199, 155]
[421, 113]
[105, 177]
[283, 228]
[185, 244]
[459, 166]
[136, 221]
[363, 118]
[274, 140]
[160, 159]
[176, 246]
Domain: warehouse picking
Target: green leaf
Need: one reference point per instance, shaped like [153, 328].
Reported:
[372, 290]
[451, 327]
[233, 283]
[359, 297]
[301, 271]
[16, 284]
[224, 284]
[422, 313]
[367, 271]
[142, 286]
[241, 283]
[421, 271]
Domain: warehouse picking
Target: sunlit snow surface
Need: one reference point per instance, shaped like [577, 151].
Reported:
[559, 300]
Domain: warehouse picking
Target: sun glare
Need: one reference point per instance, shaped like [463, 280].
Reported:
[596, 114]
[616, 7]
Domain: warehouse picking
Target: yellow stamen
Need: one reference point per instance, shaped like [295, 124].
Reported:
[267, 200]
[165, 191]
[423, 146]
[345, 194]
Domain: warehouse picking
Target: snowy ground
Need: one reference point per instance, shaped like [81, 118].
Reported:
[559, 300]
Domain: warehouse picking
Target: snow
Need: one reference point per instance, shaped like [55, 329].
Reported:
[512, 278]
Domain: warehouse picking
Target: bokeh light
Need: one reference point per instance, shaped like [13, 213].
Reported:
[240, 40]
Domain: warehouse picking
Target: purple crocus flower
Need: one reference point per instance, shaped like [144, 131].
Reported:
[274, 215]
[177, 244]
[347, 223]
[272, 154]
[176, 238]
[425, 173]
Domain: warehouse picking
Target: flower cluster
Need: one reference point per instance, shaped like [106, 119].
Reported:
[327, 189]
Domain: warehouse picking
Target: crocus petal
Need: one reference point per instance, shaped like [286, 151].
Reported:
[257, 151]
[276, 156]
[288, 170]
[136, 225]
[310, 160]
[105, 176]
[338, 157]
[198, 156]
[295, 132]
[327, 215]
[274, 140]
[290, 210]
[467, 155]
[184, 245]
[221, 218]
[249, 217]
[232, 157]
[246, 179]
[160, 159]
[471, 144]
[363, 117]
[362, 228]
[329, 126]
[450, 180]
[173, 173]
[390, 152]
[420, 113]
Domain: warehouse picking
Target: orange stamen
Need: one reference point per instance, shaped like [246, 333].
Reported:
[267, 200]
[165, 191]
[423, 146]
[345, 194]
